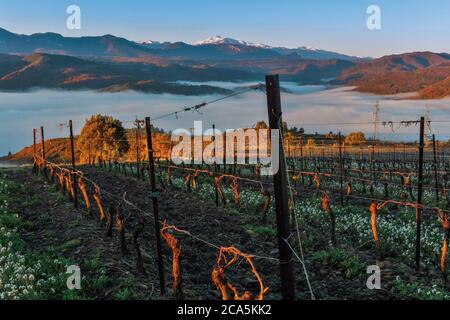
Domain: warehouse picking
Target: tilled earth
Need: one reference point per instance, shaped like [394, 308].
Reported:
[209, 226]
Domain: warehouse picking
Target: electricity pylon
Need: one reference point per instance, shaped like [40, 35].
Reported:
[427, 131]
[376, 120]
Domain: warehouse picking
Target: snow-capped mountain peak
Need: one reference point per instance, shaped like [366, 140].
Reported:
[154, 44]
[230, 41]
[307, 48]
[151, 42]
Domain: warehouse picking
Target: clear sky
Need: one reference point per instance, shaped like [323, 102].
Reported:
[338, 25]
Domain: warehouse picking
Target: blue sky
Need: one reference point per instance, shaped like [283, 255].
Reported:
[340, 25]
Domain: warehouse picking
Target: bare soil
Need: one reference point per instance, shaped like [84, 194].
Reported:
[185, 211]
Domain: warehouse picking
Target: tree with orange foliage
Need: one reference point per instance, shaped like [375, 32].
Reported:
[103, 137]
[355, 138]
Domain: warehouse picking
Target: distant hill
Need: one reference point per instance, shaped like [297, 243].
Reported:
[307, 71]
[394, 74]
[10, 63]
[440, 89]
[291, 69]
[66, 72]
[54, 43]
[58, 149]
[317, 54]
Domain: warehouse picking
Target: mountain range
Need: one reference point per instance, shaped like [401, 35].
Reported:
[424, 72]
[110, 63]
[233, 48]
[108, 45]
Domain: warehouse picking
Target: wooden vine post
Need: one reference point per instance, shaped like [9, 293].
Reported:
[394, 157]
[215, 164]
[289, 150]
[170, 154]
[44, 163]
[34, 152]
[74, 179]
[280, 190]
[436, 178]
[341, 169]
[138, 138]
[419, 191]
[89, 151]
[224, 153]
[302, 159]
[372, 161]
[151, 163]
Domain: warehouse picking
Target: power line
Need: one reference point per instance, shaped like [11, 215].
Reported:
[204, 104]
[384, 123]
